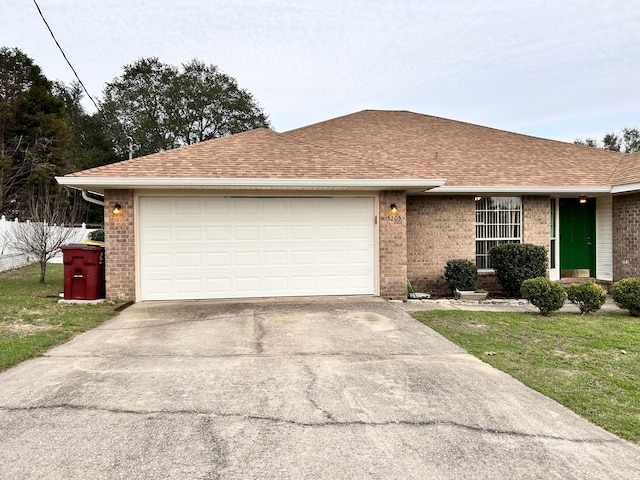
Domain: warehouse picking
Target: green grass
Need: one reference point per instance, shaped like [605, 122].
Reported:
[590, 364]
[32, 321]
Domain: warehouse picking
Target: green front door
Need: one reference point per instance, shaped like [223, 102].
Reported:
[578, 235]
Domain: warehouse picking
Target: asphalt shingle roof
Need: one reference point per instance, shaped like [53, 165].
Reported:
[463, 153]
[259, 153]
[375, 144]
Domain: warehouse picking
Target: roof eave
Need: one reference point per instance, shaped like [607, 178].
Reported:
[100, 184]
[522, 190]
[626, 188]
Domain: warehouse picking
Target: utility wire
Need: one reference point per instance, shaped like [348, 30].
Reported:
[65, 56]
[100, 111]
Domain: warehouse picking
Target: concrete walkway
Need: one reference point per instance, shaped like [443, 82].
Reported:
[339, 388]
[497, 305]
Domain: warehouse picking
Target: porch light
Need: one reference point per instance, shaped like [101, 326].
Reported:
[117, 209]
[582, 199]
[393, 209]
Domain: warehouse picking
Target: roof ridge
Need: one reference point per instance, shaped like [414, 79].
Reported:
[614, 173]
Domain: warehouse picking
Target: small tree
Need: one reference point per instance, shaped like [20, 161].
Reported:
[41, 236]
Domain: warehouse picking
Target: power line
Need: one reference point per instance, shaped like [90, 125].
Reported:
[65, 56]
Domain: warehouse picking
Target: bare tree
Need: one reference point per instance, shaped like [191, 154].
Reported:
[41, 236]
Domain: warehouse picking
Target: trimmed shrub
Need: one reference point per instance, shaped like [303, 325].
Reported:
[516, 262]
[548, 296]
[626, 293]
[588, 296]
[97, 235]
[461, 274]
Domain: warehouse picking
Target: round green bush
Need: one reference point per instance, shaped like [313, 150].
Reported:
[626, 293]
[548, 296]
[461, 274]
[516, 262]
[588, 296]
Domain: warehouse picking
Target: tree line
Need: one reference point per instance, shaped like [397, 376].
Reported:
[625, 141]
[45, 131]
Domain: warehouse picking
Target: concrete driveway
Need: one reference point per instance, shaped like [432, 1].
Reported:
[310, 388]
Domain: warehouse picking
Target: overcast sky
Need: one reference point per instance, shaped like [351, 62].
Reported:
[558, 69]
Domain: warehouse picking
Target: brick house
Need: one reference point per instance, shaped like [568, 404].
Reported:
[357, 205]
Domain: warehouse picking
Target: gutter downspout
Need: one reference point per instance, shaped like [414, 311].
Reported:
[86, 196]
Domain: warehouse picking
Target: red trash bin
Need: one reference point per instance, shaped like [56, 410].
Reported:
[83, 272]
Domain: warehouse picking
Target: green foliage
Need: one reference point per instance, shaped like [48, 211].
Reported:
[163, 107]
[91, 143]
[32, 321]
[588, 296]
[590, 364]
[44, 132]
[548, 296]
[626, 293]
[461, 274]
[33, 136]
[627, 141]
[97, 235]
[516, 262]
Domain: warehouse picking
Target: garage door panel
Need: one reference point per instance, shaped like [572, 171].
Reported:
[303, 232]
[247, 232]
[331, 257]
[276, 284]
[187, 234]
[247, 285]
[188, 260]
[246, 206]
[276, 233]
[251, 247]
[188, 285]
[187, 206]
[248, 259]
[358, 257]
[216, 234]
[158, 260]
[152, 235]
[218, 259]
[276, 259]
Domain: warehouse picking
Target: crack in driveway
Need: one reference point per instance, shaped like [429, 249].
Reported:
[310, 393]
[330, 422]
[258, 330]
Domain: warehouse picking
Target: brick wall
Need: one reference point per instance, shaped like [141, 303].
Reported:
[535, 228]
[393, 245]
[626, 236]
[120, 249]
[443, 228]
[438, 229]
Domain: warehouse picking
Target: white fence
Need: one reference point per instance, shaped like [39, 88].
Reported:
[10, 259]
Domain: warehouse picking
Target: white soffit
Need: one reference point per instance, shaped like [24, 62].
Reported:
[101, 183]
[626, 188]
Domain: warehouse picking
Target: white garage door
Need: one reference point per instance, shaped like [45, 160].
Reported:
[227, 247]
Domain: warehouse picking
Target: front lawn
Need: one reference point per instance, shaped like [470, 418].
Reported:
[590, 364]
[32, 321]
